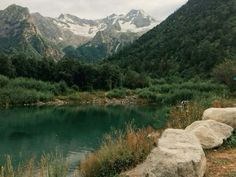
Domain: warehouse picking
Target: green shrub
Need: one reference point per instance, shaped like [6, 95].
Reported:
[203, 86]
[231, 142]
[3, 81]
[117, 93]
[226, 73]
[20, 96]
[20, 91]
[165, 88]
[57, 88]
[178, 96]
[146, 94]
[175, 93]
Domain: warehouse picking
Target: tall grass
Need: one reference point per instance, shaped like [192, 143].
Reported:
[182, 116]
[53, 165]
[119, 152]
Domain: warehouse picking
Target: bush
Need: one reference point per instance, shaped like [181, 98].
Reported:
[119, 152]
[178, 96]
[231, 142]
[21, 96]
[3, 81]
[146, 94]
[117, 93]
[20, 91]
[226, 73]
[172, 94]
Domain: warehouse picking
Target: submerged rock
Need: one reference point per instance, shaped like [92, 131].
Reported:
[224, 115]
[210, 133]
[179, 153]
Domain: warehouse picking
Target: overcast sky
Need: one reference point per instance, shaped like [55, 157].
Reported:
[94, 9]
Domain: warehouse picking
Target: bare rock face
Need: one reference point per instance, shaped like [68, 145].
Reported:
[179, 153]
[210, 133]
[223, 115]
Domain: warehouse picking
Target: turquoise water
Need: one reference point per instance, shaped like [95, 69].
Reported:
[73, 130]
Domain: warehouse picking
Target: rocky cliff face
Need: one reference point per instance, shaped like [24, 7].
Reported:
[49, 28]
[18, 34]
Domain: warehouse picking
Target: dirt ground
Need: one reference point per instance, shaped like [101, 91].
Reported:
[221, 163]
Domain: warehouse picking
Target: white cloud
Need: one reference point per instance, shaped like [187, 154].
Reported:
[97, 8]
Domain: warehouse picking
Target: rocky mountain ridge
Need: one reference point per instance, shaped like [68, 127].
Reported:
[95, 39]
[18, 34]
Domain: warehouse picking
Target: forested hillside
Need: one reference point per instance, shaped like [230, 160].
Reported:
[190, 42]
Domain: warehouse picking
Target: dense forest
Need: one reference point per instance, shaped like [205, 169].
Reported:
[190, 42]
[73, 72]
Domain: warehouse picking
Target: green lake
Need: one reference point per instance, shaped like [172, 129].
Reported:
[72, 130]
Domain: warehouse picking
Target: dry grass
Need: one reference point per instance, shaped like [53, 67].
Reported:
[119, 152]
[221, 163]
[182, 116]
[224, 103]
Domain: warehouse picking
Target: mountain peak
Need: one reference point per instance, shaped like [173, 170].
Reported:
[137, 12]
[16, 9]
[15, 12]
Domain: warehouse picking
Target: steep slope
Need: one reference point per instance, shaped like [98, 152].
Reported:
[19, 35]
[191, 41]
[111, 34]
[104, 44]
[71, 30]
[49, 29]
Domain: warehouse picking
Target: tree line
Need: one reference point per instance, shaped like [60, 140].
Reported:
[76, 74]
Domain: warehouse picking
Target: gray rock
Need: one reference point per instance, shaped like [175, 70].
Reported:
[224, 115]
[210, 133]
[179, 154]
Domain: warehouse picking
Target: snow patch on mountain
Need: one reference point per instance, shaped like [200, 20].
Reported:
[136, 21]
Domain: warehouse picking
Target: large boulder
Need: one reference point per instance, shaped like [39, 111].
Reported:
[224, 115]
[210, 133]
[179, 153]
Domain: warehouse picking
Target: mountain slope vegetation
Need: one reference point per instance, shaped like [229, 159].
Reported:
[103, 45]
[190, 42]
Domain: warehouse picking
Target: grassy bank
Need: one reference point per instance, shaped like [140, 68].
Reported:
[165, 93]
[174, 93]
[118, 153]
[23, 91]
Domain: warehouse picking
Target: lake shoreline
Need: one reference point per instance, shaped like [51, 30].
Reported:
[88, 98]
[96, 98]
